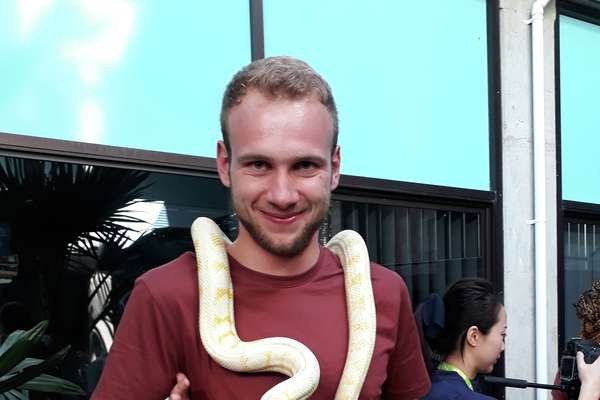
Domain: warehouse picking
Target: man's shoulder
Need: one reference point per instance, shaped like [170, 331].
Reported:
[175, 276]
[389, 290]
[382, 278]
[386, 280]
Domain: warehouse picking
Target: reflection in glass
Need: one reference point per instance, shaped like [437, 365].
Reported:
[581, 266]
[73, 239]
[430, 248]
[128, 73]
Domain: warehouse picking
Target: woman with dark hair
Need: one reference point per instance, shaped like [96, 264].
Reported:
[464, 335]
[469, 338]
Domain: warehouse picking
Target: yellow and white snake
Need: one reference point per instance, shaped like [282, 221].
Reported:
[279, 354]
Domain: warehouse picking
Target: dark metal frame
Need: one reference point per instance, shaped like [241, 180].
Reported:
[257, 36]
[585, 10]
[494, 218]
[560, 261]
[495, 115]
[12, 145]
[581, 210]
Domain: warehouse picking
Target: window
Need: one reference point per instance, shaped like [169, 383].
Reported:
[74, 237]
[430, 246]
[579, 95]
[581, 258]
[138, 74]
[410, 80]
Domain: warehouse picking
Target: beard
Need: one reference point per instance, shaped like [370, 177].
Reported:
[296, 244]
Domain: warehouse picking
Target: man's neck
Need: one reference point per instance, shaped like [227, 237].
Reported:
[251, 255]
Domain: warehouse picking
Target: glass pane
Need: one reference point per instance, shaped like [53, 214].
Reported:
[582, 267]
[579, 99]
[73, 238]
[410, 81]
[132, 73]
[430, 248]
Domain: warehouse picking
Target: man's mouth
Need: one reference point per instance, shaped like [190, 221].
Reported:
[287, 218]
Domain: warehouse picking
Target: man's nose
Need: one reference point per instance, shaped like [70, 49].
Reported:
[283, 191]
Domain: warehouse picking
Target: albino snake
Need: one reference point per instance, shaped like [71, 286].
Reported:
[279, 354]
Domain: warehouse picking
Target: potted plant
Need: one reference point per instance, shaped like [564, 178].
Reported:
[20, 373]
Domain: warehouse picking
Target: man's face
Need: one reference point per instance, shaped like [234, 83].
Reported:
[280, 171]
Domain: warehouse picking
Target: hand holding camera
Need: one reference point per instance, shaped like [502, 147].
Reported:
[589, 375]
[568, 360]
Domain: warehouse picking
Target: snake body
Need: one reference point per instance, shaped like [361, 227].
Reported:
[279, 354]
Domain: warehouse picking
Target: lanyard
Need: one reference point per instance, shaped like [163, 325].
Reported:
[444, 366]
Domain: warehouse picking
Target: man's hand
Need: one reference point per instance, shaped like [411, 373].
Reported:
[181, 390]
[589, 374]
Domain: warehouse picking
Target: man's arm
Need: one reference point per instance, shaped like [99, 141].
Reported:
[142, 362]
[407, 374]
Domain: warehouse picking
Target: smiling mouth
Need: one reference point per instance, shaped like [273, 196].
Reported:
[282, 219]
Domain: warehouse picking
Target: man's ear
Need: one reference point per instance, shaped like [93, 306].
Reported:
[473, 335]
[335, 167]
[223, 162]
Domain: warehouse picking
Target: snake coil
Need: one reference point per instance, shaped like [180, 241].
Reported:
[279, 354]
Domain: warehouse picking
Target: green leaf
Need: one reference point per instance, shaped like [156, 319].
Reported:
[52, 384]
[10, 340]
[28, 362]
[16, 395]
[23, 344]
[32, 372]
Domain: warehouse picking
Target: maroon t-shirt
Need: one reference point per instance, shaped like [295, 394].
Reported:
[158, 334]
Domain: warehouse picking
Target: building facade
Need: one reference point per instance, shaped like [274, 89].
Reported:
[467, 132]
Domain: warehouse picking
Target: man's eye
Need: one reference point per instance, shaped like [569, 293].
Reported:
[260, 165]
[305, 165]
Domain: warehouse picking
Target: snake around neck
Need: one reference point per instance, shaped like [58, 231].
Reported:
[279, 354]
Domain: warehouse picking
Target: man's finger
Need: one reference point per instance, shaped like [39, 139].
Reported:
[180, 390]
[580, 359]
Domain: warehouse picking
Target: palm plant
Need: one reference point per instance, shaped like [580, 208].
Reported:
[19, 373]
[57, 210]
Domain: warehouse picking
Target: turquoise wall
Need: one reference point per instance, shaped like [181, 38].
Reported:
[410, 78]
[141, 74]
[579, 104]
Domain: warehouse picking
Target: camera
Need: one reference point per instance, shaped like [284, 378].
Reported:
[568, 361]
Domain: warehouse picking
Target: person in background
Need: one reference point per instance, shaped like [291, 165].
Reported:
[589, 374]
[587, 309]
[468, 339]
[463, 336]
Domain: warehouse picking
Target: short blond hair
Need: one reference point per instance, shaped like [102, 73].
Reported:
[279, 77]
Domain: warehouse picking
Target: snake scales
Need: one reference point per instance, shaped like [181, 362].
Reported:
[279, 354]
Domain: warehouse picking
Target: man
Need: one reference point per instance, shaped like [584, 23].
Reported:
[280, 159]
